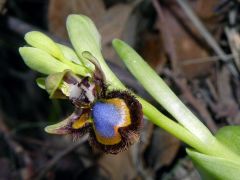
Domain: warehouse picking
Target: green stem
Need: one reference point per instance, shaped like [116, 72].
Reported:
[213, 147]
[111, 78]
[170, 126]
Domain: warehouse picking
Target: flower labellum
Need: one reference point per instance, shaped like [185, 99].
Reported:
[117, 121]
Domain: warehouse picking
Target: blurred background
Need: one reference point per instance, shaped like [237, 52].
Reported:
[194, 45]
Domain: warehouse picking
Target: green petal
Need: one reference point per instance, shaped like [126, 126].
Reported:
[56, 85]
[43, 42]
[53, 82]
[59, 128]
[41, 61]
[69, 54]
[84, 36]
[41, 82]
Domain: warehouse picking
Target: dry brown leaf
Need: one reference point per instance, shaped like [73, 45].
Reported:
[186, 47]
[110, 23]
[152, 51]
[205, 9]
[183, 170]
[187, 42]
[94, 8]
[162, 150]
[118, 166]
[60, 9]
[227, 106]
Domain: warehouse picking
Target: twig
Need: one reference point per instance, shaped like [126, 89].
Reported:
[16, 148]
[204, 60]
[234, 42]
[59, 156]
[206, 35]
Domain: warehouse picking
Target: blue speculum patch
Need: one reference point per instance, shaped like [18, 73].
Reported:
[106, 117]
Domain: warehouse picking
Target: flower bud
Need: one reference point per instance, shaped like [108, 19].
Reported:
[43, 42]
[84, 37]
[41, 61]
[69, 54]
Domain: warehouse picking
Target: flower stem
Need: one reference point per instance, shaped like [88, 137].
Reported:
[213, 147]
[170, 126]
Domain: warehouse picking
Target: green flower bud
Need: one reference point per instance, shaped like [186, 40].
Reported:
[52, 83]
[41, 61]
[84, 36]
[69, 54]
[88, 38]
[41, 82]
[58, 52]
[43, 42]
[58, 128]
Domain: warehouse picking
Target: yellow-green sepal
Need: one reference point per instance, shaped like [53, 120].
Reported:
[69, 54]
[53, 83]
[84, 36]
[41, 61]
[41, 41]
[41, 82]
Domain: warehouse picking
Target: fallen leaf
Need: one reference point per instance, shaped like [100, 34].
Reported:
[162, 150]
[118, 166]
[111, 22]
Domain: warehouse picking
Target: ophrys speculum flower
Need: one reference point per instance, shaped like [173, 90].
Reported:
[112, 118]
